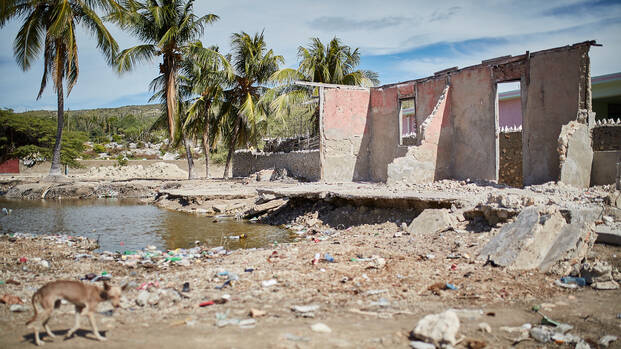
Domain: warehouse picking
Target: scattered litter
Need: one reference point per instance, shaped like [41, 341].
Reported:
[485, 327]
[607, 339]
[269, 283]
[294, 338]
[574, 280]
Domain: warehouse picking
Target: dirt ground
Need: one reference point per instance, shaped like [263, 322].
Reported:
[381, 283]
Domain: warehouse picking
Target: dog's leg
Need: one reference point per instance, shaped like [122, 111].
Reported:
[78, 311]
[91, 318]
[47, 328]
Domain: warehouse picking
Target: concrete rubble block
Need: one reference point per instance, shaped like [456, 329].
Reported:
[543, 238]
[608, 235]
[599, 275]
[575, 155]
[432, 221]
[439, 329]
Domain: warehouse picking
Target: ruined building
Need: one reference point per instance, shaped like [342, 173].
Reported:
[446, 126]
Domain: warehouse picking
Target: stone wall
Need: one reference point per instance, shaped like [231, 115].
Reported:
[215, 170]
[607, 137]
[510, 168]
[604, 170]
[303, 165]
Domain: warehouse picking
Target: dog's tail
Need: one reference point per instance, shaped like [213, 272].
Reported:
[35, 299]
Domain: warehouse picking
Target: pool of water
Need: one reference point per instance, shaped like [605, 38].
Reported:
[121, 225]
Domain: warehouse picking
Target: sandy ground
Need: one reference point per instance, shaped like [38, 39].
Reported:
[381, 283]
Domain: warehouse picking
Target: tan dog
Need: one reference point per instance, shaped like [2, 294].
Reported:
[85, 298]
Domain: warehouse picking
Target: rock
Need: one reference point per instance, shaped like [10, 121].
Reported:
[153, 299]
[45, 264]
[431, 221]
[421, 345]
[605, 285]
[321, 328]
[219, 208]
[582, 345]
[305, 310]
[485, 327]
[596, 272]
[143, 298]
[279, 174]
[608, 235]
[542, 238]
[606, 340]
[17, 308]
[438, 329]
[608, 220]
[255, 313]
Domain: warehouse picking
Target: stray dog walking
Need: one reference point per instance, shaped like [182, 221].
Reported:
[84, 297]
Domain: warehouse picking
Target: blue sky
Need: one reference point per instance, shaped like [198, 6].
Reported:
[401, 40]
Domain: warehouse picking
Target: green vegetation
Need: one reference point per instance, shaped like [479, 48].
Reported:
[126, 124]
[31, 138]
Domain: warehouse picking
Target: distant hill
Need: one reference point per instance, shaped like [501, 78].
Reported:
[149, 111]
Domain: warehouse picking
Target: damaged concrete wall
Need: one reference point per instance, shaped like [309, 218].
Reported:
[344, 134]
[384, 116]
[419, 163]
[557, 85]
[473, 113]
[299, 164]
[575, 154]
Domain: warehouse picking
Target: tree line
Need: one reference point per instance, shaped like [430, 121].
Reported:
[203, 94]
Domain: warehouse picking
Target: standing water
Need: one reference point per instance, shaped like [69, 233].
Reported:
[121, 225]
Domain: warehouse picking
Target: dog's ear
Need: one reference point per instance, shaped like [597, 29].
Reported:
[124, 287]
[103, 295]
[106, 286]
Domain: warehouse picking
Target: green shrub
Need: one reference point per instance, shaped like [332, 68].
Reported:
[99, 148]
[122, 160]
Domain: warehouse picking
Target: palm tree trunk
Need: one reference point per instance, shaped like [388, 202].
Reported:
[55, 169]
[188, 154]
[229, 156]
[206, 148]
[171, 95]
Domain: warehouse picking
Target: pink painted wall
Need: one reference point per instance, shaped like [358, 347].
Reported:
[345, 112]
[344, 135]
[510, 112]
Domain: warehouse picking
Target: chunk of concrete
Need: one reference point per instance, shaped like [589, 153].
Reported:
[608, 235]
[439, 329]
[542, 238]
[431, 221]
[575, 154]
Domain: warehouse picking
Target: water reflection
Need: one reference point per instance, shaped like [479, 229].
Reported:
[125, 224]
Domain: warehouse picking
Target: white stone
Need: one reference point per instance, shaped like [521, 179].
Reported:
[321, 328]
[438, 328]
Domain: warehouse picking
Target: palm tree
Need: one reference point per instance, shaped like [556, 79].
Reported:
[245, 111]
[205, 75]
[50, 25]
[332, 64]
[166, 27]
